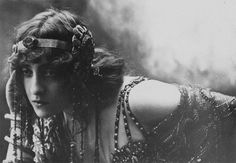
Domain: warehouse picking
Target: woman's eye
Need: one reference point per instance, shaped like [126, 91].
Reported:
[26, 72]
[49, 73]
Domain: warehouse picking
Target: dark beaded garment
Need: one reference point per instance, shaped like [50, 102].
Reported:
[192, 133]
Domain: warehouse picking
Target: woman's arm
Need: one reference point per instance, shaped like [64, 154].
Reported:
[186, 123]
[153, 100]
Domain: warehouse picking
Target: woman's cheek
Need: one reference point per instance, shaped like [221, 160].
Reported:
[63, 92]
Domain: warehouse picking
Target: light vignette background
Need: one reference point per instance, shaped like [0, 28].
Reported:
[184, 41]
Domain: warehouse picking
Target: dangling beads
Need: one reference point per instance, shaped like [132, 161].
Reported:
[21, 131]
[29, 128]
[41, 127]
[96, 154]
[77, 111]
[122, 102]
[81, 153]
[72, 151]
[15, 125]
[15, 137]
[72, 143]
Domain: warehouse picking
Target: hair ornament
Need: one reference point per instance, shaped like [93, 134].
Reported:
[82, 37]
[82, 49]
[30, 42]
[96, 71]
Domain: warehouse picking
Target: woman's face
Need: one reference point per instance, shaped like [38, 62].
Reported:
[46, 89]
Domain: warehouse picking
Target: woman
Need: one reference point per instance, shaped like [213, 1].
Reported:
[71, 102]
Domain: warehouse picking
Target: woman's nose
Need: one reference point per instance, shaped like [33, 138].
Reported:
[37, 86]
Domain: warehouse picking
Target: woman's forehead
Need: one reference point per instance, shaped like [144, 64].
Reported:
[42, 60]
[39, 52]
[41, 55]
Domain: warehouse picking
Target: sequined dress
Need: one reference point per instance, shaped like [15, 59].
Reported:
[194, 132]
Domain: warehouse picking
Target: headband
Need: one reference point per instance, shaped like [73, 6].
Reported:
[31, 42]
[81, 46]
[81, 37]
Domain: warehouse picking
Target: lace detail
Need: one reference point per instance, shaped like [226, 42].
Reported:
[50, 142]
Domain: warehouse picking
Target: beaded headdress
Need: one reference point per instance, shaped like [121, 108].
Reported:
[81, 46]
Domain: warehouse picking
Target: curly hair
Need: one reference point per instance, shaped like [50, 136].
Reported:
[59, 24]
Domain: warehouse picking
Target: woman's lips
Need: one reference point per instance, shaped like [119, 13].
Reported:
[39, 103]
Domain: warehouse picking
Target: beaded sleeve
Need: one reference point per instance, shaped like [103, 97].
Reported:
[193, 132]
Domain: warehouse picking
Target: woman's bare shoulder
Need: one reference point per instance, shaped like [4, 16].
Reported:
[152, 100]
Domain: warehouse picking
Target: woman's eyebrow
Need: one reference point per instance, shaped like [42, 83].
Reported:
[48, 65]
[25, 65]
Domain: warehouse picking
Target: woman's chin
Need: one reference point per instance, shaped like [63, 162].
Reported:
[42, 114]
[45, 112]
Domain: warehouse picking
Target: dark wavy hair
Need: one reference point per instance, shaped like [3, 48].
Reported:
[59, 24]
[56, 24]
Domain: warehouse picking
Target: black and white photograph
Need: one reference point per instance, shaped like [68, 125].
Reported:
[118, 81]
